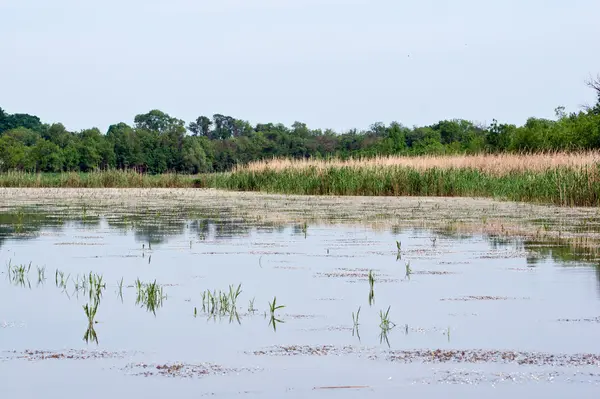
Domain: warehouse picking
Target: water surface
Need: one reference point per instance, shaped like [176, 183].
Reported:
[470, 293]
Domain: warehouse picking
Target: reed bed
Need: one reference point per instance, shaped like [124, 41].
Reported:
[96, 179]
[495, 164]
[564, 186]
[565, 179]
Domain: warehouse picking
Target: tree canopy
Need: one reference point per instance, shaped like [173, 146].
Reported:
[158, 142]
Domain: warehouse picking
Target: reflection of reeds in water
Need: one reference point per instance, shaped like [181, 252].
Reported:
[19, 274]
[385, 325]
[90, 312]
[355, 323]
[371, 287]
[222, 303]
[41, 275]
[120, 289]
[273, 307]
[91, 285]
[408, 270]
[60, 279]
[251, 308]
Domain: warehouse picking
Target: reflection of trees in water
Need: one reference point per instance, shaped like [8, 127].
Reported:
[156, 227]
[153, 228]
[220, 228]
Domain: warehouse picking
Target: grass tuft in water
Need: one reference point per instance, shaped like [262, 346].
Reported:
[149, 295]
[273, 307]
[221, 303]
[19, 274]
[386, 325]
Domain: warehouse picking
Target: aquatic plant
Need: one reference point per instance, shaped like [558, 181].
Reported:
[355, 323]
[120, 289]
[149, 295]
[251, 308]
[60, 279]
[19, 274]
[560, 179]
[385, 325]
[408, 270]
[221, 303]
[96, 285]
[273, 307]
[371, 287]
[41, 275]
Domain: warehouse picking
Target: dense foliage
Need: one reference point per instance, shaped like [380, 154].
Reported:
[158, 143]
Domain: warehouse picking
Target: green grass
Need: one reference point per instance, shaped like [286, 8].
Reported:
[149, 295]
[101, 179]
[563, 186]
[560, 186]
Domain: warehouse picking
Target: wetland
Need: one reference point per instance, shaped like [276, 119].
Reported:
[203, 292]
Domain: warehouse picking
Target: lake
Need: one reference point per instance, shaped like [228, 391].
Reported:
[201, 301]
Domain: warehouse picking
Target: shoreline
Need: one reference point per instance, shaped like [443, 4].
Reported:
[460, 214]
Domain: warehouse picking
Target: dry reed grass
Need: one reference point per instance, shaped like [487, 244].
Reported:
[498, 165]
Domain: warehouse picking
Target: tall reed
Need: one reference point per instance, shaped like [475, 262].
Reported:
[565, 186]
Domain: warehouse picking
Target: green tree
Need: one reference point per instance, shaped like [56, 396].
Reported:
[14, 155]
[157, 121]
[499, 136]
[594, 84]
[58, 134]
[8, 122]
[122, 138]
[23, 135]
[194, 157]
[201, 127]
[47, 156]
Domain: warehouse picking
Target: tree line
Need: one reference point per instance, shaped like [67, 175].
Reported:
[158, 142]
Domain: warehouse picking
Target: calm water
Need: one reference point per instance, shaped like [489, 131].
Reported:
[463, 293]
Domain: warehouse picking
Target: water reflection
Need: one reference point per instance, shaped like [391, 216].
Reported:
[154, 228]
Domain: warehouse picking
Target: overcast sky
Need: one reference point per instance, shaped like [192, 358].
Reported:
[329, 63]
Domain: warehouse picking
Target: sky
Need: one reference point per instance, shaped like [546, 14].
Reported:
[338, 64]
